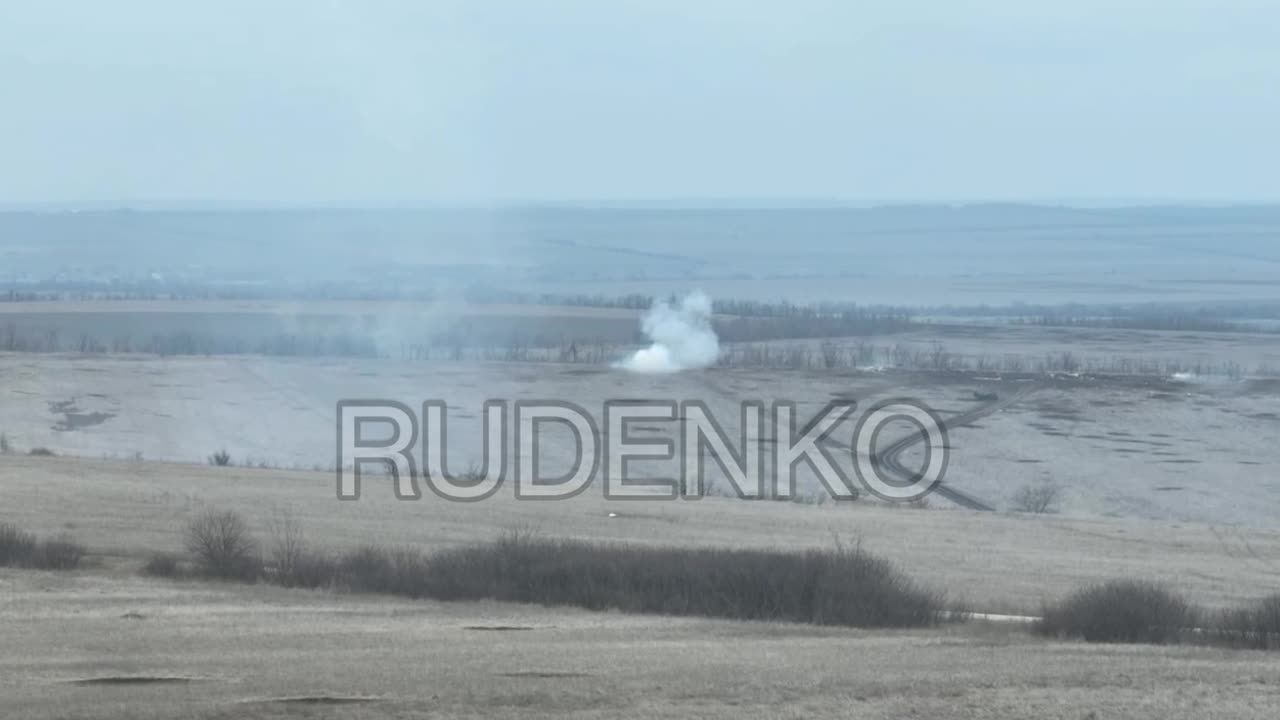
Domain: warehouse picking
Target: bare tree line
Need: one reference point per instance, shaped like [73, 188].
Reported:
[756, 353]
[50, 340]
[864, 354]
[1172, 321]
[859, 355]
[1212, 316]
[776, 321]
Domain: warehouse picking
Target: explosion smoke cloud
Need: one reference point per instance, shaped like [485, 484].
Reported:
[682, 337]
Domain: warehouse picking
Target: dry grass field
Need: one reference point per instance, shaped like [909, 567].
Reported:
[363, 328]
[993, 562]
[104, 642]
[1161, 478]
[1144, 447]
[93, 646]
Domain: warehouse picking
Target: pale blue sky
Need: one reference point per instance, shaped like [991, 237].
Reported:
[373, 102]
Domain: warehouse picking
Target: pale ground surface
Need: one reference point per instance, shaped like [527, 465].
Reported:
[309, 307]
[1148, 448]
[72, 643]
[1102, 348]
[992, 562]
[78, 645]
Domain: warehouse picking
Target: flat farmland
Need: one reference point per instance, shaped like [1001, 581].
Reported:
[368, 328]
[127, 648]
[1151, 448]
[994, 562]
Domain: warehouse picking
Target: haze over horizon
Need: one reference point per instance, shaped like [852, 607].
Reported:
[398, 103]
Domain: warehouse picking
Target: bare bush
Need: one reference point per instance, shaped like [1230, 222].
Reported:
[19, 548]
[16, 546]
[41, 452]
[312, 569]
[287, 543]
[1039, 498]
[1256, 625]
[162, 565]
[294, 563]
[830, 355]
[840, 586]
[1121, 611]
[61, 553]
[222, 458]
[397, 571]
[223, 547]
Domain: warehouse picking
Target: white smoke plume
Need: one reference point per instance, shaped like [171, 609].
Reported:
[682, 337]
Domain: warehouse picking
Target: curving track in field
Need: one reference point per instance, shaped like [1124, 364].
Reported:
[890, 458]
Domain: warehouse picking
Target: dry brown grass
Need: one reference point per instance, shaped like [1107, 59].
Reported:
[996, 563]
[19, 548]
[262, 652]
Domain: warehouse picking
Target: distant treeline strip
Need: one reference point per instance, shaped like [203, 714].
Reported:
[784, 354]
[1241, 316]
[363, 337]
[864, 355]
[45, 340]
[1181, 322]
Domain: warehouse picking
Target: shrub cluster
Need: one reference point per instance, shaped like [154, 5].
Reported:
[838, 586]
[1038, 499]
[1256, 625]
[834, 586]
[1123, 611]
[1131, 611]
[223, 547]
[162, 565]
[19, 548]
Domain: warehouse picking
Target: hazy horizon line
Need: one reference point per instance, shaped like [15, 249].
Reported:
[653, 203]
